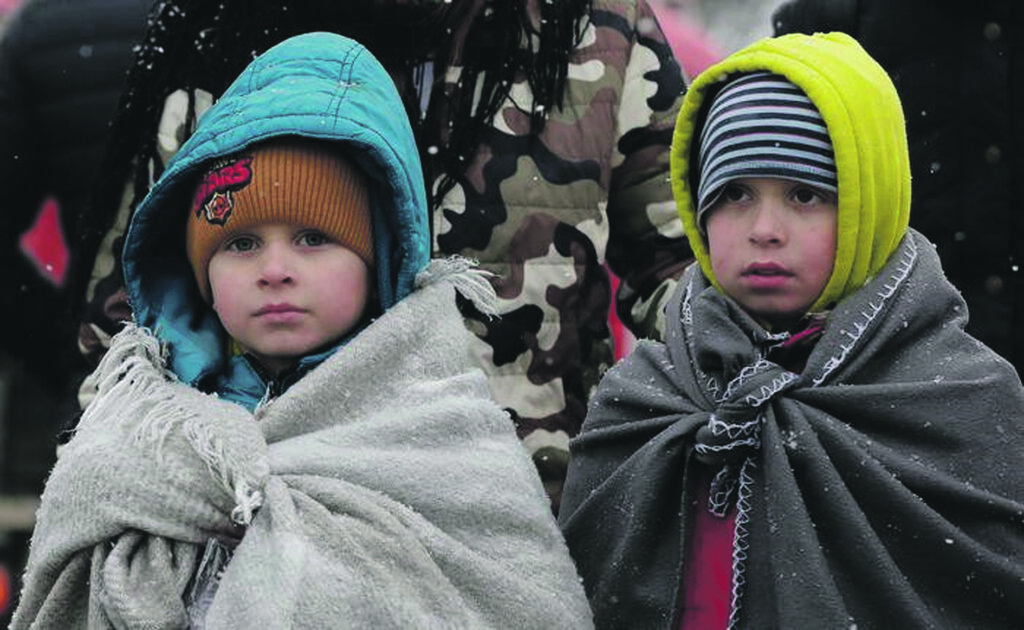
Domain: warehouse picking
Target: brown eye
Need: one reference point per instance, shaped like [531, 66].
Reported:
[805, 195]
[732, 193]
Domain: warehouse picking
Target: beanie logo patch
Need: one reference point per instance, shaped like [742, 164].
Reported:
[213, 196]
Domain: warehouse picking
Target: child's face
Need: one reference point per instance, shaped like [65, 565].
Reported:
[283, 291]
[773, 244]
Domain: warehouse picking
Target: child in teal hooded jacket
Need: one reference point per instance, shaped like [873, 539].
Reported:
[274, 441]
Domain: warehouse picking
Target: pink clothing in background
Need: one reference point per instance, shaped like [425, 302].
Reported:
[44, 243]
[694, 48]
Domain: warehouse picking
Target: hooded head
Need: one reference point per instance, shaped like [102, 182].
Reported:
[323, 100]
[807, 84]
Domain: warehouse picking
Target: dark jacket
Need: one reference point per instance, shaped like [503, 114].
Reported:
[62, 65]
[959, 70]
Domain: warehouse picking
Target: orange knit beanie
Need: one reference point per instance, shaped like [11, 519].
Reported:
[295, 181]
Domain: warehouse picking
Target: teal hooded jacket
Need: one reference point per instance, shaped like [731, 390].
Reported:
[317, 85]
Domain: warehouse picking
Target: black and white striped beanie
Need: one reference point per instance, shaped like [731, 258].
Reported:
[762, 125]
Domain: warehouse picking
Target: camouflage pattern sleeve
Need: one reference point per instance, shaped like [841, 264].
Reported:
[647, 249]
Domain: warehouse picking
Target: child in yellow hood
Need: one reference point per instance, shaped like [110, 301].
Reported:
[817, 443]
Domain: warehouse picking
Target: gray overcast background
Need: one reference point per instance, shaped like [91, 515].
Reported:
[735, 23]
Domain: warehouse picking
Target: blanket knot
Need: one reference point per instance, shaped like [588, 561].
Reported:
[248, 500]
[732, 434]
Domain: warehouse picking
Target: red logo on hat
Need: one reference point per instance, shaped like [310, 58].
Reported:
[213, 197]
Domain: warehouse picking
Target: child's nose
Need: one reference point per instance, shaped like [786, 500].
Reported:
[766, 227]
[276, 266]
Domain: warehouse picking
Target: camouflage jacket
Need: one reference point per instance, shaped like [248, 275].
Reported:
[548, 216]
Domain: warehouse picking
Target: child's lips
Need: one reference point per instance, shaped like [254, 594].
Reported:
[766, 276]
[279, 312]
[766, 269]
[277, 308]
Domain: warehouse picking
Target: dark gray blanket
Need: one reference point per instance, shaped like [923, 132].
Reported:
[881, 488]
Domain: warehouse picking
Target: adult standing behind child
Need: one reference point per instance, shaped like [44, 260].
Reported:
[274, 441]
[544, 129]
[817, 443]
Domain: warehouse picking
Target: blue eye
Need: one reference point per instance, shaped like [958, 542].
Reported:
[241, 244]
[313, 239]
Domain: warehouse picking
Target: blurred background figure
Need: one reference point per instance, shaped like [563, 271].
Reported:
[7, 7]
[959, 69]
[694, 46]
[62, 68]
[734, 23]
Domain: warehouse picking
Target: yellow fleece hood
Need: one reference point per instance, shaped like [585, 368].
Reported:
[864, 117]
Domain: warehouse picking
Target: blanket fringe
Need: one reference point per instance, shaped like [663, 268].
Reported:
[467, 278]
[132, 369]
[135, 368]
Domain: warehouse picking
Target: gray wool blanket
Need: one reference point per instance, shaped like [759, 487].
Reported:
[881, 487]
[383, 490]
